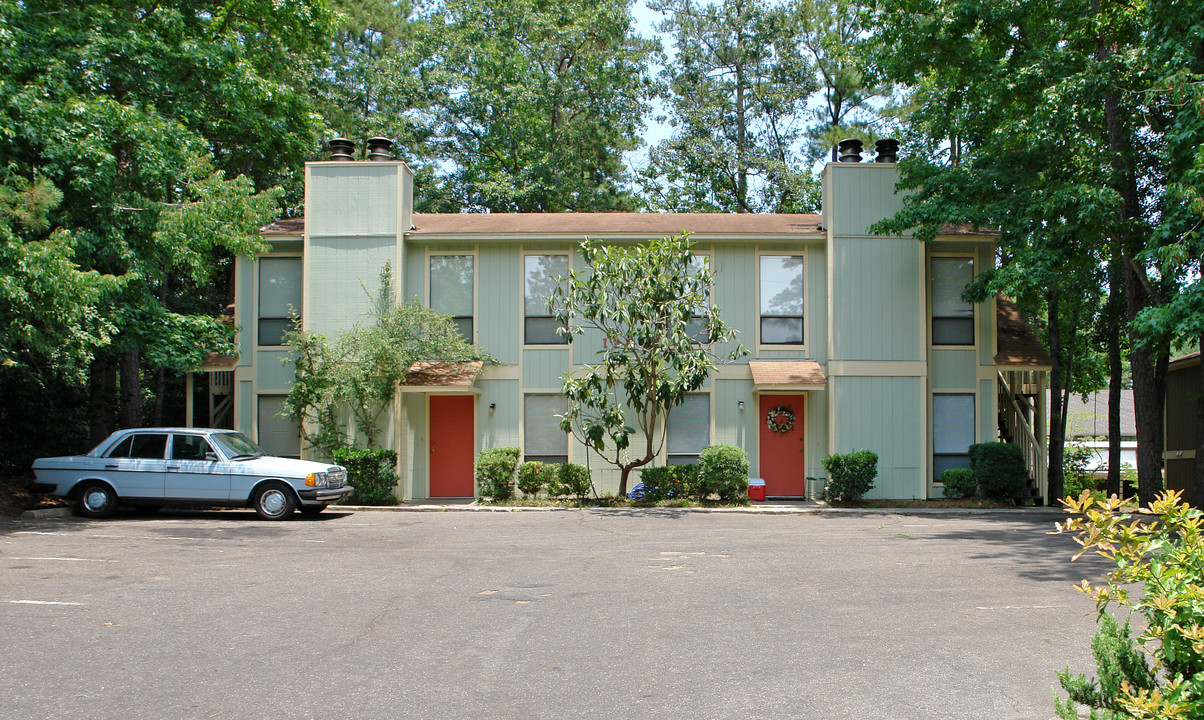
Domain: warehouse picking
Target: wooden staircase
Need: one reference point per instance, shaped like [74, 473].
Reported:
[1018, 413]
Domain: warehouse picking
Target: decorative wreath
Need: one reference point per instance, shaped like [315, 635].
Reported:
[780, 419]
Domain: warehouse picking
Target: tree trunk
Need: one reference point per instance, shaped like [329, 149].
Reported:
[1115, 369]
[130, 413]
[160, 391]
[1057, 420]
[102, 398]
[1195, 490]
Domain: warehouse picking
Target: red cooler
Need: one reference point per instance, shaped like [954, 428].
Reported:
[756, 490]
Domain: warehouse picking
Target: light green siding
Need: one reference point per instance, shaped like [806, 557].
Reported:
[877, 299]
[988, 427]
[412, 447]
[342, 274]
[500, 427]
[859, 195]
[882, 414]
[272, 374]
[499, 289]
[543, 369]
[953, 369]
[352, 199]
[244, 419]
[736, 293]
[245, 311]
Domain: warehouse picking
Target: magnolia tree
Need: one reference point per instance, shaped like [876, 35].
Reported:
[651, 305]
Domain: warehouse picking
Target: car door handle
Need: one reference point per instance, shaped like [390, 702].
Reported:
[111, 467]
[173, 467]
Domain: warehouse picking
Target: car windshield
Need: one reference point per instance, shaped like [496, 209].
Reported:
[237, 445]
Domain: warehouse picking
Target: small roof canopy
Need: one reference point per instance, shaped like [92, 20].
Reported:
[1017, 343]
[440, 377]
[775, 375]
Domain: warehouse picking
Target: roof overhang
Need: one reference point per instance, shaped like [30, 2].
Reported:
[215, 362]
[439, 377]
[787, 375]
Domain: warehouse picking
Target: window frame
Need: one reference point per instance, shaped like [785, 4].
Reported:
[974, 307]
[562, 341]
[472, 319]
[258, 434]
[802, 345]
[257, 280]
[932, 420]
[670, 457]
[547, 457]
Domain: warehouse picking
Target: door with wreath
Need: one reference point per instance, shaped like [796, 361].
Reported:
[782, 445]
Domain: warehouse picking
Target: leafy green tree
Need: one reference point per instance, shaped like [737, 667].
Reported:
[735, 91]
[536, 103]
[650, 305]
[356, 376]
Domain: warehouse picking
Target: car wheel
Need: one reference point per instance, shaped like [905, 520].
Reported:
[96, 500]
[274, 502]
[312, 509]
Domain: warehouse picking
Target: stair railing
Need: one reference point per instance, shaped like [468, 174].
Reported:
[1020, 427]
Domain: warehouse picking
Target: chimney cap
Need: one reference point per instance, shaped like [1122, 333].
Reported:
[380, 149]
[342, 149]
[888, 150]
[850, 150]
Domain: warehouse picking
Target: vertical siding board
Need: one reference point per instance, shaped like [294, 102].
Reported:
[344, 271]
[543, 369]
[500, 302]
[353, 199]
[246, 313]
[272, 373]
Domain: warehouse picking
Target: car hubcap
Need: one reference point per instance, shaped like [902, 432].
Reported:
[95, 500]
[272, 502]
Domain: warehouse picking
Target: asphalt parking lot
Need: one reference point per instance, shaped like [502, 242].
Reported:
[568, 614]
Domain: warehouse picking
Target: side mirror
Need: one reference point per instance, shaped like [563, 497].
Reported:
[211, 457]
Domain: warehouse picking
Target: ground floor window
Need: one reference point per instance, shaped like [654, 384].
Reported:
[952, 431]
[688, 430]
[543, 440]
[277, 436]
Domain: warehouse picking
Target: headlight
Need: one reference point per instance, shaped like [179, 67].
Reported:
[315, 480]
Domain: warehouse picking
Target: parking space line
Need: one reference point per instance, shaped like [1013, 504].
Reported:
[41, 602]
[62, 559]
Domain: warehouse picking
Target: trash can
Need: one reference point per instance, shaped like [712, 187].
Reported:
[815, 488]
[756, 490]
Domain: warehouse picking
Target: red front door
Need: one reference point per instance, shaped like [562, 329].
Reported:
[782, 452]
[451, 445]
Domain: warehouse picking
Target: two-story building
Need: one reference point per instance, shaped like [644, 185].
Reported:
[864, 339]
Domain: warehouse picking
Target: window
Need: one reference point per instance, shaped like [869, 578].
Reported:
[695, 327]
[781, 299]
[451, 289]
[952, 317]
[952, 431]
[150, 447]
[277, 436]
[539, 327]
[688, 430]
[279, 298]
[543, 440]
[189, 447]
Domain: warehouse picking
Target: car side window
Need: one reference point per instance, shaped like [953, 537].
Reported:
[121, 449]
[189, 447]
[150, 447]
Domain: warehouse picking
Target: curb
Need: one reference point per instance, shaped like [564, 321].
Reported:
[752, 510]
[46, 513]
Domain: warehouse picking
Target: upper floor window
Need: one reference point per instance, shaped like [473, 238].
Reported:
[695, 328]
[279, 298]
[451, 289]
[541, 274]
[781, 299]
[952, 317]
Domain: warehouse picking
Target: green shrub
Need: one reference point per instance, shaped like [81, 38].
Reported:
[999, 468]
[670, 481]
[851, 475]
[959, 483]
[723, 471]
[371, 473]
[495, 473]
[571, 480]
[1159, 569]
[535, 476]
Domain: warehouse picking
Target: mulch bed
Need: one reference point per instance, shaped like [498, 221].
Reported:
[15, 497]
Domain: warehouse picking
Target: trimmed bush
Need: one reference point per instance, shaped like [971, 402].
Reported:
[571, 480]
[535, 476]
[851, 475]
[959, 483]
[999, 469]
[723, 471]
[495, 473]
[371, 473]
[669, 482]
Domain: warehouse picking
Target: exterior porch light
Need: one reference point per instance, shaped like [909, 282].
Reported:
[492, 407]
[740, 404]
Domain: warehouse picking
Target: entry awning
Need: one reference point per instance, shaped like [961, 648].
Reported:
[777, 375]
[438, 377]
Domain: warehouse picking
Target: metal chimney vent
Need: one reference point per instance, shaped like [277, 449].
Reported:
[888, 150]
[850, 150]
[342, 150]
[380, 149]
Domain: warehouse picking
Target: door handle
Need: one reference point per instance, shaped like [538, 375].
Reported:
[173, 467]
[111, 467]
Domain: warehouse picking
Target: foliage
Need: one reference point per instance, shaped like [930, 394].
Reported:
[361, 370]
[572, 479]
[644, 301]
[535, 103]
[371, 472]
[670, 482]
[850, 475]
[1118, 661]
[959, 483]
[495, 473]
[736, 91]
[536, 476]
[1159, 556]
[1078, 477]
[999, 469]
[723, 471]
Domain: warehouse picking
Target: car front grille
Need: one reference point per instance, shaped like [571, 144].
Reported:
[336, 478]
